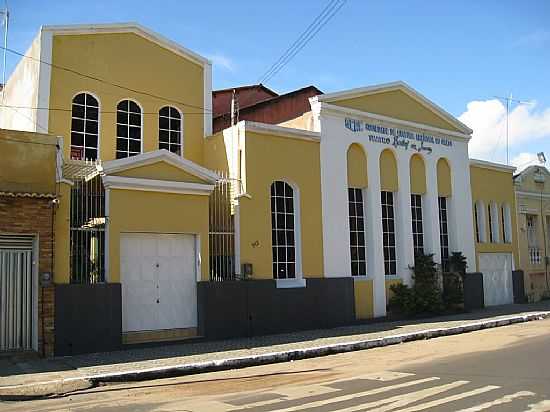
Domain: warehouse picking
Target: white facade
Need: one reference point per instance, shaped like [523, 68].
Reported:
[336, 138]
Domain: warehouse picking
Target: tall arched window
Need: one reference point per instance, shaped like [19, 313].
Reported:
[170, 129]
[283, 233]
[128, 129]
[84, 127]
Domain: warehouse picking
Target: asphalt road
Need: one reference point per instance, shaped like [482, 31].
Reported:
[502, 369]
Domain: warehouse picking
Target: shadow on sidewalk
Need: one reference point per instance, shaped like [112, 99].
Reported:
[11, 366]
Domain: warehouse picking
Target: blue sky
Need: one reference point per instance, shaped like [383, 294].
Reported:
[460, 54]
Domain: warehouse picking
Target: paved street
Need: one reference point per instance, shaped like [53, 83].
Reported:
[500, 369]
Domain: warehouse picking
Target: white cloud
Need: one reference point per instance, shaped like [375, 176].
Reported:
[221, 60]
[524, 159]
[488, 121]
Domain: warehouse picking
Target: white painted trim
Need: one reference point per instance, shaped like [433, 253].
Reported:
[66, 181]
[131, 27]
[264, 128]
[129, 99]
[44, 81]
[151, 185]
[107, 230]
[346, 111]
[291, 283]
[492, 166]
[237, 239]
[533, 194]
[155, 156]
[198, 258]
[398, 85]
[207, 105]
[36, 289]
[99, 109]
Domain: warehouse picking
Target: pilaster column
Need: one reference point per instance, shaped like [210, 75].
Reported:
[430, 211]
[375, 253]
[403, 221]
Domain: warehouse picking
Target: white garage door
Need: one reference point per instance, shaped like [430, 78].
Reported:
[159, 282]
[497, 278]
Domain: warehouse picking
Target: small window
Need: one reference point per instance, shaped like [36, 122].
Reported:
[170, 130]
[388, 233]
[128, 129]
[84, 127]
[417, 224]
[283, 237]
[357, 242]
[444, 233]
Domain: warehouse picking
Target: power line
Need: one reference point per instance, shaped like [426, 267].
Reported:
[87, 76]
[311, 31]
[306, 31]
[61, 109]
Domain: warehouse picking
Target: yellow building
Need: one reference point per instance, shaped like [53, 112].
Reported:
[158, 221]
[533, 211]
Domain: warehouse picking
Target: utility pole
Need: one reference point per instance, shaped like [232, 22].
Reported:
[509, 101]
[5, 21]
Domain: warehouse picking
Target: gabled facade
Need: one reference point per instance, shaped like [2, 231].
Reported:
[157, 220]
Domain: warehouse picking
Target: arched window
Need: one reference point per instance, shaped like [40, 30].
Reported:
[283, 234]
[170, 129]
[357, 182]
[506, 220]
[480, 222]
[128, 129]
[84, 127]
[494, 230]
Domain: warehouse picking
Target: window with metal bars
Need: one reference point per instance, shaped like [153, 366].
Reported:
[84, 127]
[388, 233]
[358, 248]
[170, 130]
[417, 224]
[283, 230]
[128, 129]
[444, 233]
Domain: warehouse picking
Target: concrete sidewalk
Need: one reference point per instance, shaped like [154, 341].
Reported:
[42, 377]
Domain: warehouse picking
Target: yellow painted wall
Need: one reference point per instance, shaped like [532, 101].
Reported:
[389, 283]
[489, 186]
[62, 235]
[417, 175]
[397, 104]
[137, 211]
[444, 183]
[215, 155]
[271, 158]
[130, 60]
[364, 299]
[388, 172]
[357, 167]
[160, 171]
[28, 162]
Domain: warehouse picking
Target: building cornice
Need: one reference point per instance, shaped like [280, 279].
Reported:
[346, 111]
[281, 131]
[151, 185]
[492, 166]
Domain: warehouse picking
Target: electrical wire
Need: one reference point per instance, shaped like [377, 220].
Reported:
[311, 31]
[61, 109]
[100, 80]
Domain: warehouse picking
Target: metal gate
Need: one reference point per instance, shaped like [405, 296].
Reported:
[16, 292]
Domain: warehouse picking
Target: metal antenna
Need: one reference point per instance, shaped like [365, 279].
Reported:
[509, 101]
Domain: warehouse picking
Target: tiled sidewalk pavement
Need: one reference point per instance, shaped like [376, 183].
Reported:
[13, 372]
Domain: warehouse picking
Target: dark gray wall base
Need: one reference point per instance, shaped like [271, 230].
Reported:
[258, 307]
[519, 286]
[88, 318]
[473, 291]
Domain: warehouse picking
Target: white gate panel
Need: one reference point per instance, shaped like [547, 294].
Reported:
[158, 279]
[497, 278]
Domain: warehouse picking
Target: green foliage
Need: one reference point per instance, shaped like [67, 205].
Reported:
[453, 291]
[425, 295]
[457, 263]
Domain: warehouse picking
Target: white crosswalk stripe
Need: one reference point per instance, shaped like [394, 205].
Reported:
[402, 393]
[497, 402]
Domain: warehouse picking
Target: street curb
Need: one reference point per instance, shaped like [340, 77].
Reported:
[64, 386]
